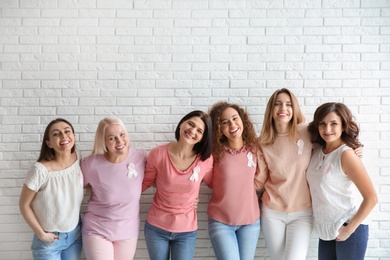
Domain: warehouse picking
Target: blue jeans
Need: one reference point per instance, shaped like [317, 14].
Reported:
[162, 243]
[354, 248]
[234, 242]
[68, 247]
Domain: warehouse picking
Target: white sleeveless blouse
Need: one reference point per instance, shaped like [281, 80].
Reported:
[332, 192]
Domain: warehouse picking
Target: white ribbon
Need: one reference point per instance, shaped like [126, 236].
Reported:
[194, 176]
[301, 145]
[251, 163]
[328, 169]
[132, 172]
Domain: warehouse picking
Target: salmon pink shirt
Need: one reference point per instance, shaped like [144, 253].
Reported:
[172, 208]
[234, 200]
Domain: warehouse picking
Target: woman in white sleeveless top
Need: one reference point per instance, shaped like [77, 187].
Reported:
[333, 174]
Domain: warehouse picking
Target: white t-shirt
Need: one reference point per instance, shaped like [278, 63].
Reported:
[58, 196]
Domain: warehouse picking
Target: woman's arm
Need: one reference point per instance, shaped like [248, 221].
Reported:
[208, 177]
[354, 168]
[25, 201]
[150, 172]
[261, 172]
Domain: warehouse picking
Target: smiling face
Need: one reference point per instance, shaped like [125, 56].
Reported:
[331, 128]
[282, 112]
[116, 139]
[192, 130]
[61, 137]
[231, 124]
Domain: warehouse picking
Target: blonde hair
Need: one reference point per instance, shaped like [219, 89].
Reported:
[268, 132]
[99, 146]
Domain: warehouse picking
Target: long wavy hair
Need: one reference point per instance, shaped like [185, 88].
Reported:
[268, 131]
[351, 130]
[219, 139]
[46, 153]
[203, 147]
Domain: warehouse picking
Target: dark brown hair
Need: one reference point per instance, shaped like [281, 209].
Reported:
[46, 153]
[350, 128]
[204, 146]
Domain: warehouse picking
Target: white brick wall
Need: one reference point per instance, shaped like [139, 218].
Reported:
[151, 61]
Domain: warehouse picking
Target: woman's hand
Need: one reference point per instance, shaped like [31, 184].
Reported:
[344, 234]
[195, 203]
[359, 151]
[48, 237]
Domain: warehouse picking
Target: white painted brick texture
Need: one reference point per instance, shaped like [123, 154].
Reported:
[152, 61]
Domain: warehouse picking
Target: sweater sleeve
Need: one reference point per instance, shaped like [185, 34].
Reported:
[261, 175]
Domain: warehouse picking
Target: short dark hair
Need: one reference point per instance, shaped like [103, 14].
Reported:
[205, 145]
[46, 153]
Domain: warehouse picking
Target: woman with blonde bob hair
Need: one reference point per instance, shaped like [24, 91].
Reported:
[99, 146]
[114, 173]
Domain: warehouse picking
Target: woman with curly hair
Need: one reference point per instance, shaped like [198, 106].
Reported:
[333, 173]
[233, 210]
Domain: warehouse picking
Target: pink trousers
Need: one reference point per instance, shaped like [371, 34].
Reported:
[100, 248]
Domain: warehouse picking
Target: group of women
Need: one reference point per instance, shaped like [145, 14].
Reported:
[299, 170]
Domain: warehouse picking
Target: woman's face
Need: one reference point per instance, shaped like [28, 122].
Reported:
[231, 124]
[330, 127]
[116, 139]
[282, 112]
[192, 130]
[61, 137]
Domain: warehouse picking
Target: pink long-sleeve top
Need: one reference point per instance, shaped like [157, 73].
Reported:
[234, 200]
[172, 208]
[284, 172]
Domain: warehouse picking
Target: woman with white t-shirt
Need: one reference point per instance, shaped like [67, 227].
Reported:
[52, 194]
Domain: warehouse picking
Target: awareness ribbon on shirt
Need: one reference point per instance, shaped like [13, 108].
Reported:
[300, 144]
[251, 163]
[132, 172]
[194, 176]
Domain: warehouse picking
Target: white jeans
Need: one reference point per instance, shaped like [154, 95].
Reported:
[287, 234]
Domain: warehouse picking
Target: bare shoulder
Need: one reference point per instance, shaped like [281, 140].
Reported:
[351, 163]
